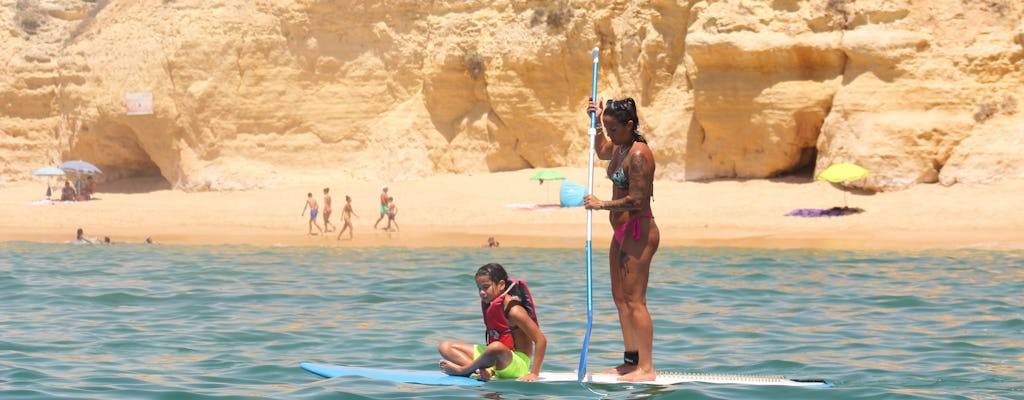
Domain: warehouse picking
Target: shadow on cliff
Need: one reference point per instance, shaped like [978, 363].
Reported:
[792, 179]
[145, 184]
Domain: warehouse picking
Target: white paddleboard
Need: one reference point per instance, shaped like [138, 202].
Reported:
[672, 378]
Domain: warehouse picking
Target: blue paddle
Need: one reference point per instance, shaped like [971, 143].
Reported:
[592, 132]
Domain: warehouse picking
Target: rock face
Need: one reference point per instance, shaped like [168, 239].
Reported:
[248, 91]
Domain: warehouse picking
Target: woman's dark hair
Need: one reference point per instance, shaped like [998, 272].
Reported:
[494, 271]
[624, 111]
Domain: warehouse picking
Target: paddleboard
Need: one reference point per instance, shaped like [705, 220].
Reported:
[440, 378]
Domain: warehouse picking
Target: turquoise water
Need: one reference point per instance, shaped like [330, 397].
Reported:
[233, 322]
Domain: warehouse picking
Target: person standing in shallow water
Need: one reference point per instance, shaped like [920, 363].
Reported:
[81, 239]
[636, 235]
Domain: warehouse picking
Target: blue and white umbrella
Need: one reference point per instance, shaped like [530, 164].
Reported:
[79, 166]
[48, 171]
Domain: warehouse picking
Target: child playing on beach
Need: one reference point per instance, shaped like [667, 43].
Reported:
[392, 212]
[513, 335]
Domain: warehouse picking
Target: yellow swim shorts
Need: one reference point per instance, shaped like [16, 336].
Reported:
[519, 366]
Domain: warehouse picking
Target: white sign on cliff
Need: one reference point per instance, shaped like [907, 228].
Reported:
[139, 103]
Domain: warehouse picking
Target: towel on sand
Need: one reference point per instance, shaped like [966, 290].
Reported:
[824, 212]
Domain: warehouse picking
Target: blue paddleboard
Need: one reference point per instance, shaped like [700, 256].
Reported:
[393, 375]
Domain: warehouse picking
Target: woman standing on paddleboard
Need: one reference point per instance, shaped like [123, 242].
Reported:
[636, 237]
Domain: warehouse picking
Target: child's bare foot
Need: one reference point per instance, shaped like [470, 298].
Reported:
[638, 375]
[485, 374]
[451, 368]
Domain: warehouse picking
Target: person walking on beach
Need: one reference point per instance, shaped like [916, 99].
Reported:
[383, 205]
[392, 213]
[346, 214]
[636, 235]
[513, 334]
[313, 209]
[327, 211]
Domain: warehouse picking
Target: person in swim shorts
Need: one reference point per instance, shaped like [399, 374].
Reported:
[313, 207]
[383, 205]
[392, 213]
[631, 170]
[513, 334]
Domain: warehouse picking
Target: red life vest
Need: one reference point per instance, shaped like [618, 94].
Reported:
[495, 319]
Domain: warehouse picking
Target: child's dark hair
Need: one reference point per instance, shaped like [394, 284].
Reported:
[518, 293]
[494, 271]
[624, 111]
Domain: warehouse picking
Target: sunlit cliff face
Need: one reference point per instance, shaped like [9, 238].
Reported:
[916, 93]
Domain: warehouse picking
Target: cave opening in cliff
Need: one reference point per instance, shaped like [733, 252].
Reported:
[803, 170]
[115, 148]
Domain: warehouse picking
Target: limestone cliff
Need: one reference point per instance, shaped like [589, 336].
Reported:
[245, 91]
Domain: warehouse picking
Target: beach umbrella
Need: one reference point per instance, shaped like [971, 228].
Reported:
[547, 175]
[48, 171]
[842, 173]
[79, 166]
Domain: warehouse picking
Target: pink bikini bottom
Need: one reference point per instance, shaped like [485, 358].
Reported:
[620, 232]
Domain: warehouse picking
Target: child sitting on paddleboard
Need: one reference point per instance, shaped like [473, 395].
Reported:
[513, 335]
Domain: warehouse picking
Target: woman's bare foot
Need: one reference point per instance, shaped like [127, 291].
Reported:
[638, 375]
[451, 368]
[622, 369]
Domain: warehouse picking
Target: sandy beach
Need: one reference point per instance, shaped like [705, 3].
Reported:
[462, 211]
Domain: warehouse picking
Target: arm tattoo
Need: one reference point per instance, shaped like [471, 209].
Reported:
[640, 179]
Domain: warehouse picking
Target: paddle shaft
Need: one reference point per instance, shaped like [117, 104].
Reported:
[592, 133]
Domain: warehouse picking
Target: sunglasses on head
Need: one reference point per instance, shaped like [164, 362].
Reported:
[616, 105]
